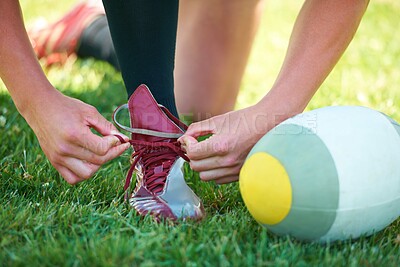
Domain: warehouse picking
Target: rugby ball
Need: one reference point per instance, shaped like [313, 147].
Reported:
[325, 175]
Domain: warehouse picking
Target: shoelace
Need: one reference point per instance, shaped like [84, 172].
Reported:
[157, 159]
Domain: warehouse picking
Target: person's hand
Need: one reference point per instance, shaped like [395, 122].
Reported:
[63, 127]
[221, 156]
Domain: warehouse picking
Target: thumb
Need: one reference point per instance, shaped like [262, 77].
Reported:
[103, 126]
[186, 141]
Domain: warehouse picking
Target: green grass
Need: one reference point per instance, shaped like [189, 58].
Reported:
[46, 222]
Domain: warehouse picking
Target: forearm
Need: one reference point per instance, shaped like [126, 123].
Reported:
[322, 32]
[19, 68]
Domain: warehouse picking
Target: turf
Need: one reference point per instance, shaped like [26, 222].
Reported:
[46, 222]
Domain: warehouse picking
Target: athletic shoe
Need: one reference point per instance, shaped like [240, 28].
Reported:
[57, 41]
[158, 160]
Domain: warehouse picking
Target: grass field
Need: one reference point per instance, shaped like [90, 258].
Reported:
[46, 222]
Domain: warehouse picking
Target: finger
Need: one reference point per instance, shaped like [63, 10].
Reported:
[200, 128]
[213, 146]
[115, 152]
[68, 175]
[87, 155]
[120, 135]
[217, 174]
[227, 180]
[84, 170]
[99, 123]
[103, 126]
[98, 144]
[96, 121]
[206, 164]
[187, 141]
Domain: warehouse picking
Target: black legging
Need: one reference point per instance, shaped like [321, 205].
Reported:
[96, 42]
[144, 37]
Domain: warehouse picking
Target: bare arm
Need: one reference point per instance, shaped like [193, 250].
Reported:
[61, 124]
[19, 68]
[322, 32]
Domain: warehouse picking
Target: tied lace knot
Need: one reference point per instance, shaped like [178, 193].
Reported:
[157, 159]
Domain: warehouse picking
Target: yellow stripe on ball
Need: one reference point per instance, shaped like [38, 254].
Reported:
[265, 188]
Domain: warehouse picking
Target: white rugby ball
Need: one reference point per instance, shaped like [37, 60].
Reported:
[325, 175]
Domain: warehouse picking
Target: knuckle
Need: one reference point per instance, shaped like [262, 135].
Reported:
[221, 148]
[62, 149]
[230, 161]
[220, 162]
[96, 159]
[102, 151]
[92, 110]
[109, 126]
[91, 113]
[57, 160]
[91, 170]
[70, 135]
[194, 126]
[203, 176]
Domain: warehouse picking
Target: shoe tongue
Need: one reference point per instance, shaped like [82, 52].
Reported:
[146, 114]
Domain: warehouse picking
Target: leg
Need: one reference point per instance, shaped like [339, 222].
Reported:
[58, 40]
[213, 45]
[96, 42]
[144, 36]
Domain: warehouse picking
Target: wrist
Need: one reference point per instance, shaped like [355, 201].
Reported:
[34, 97]
[276, 107]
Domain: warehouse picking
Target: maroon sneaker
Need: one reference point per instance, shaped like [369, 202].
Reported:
[57, 41]
[158, 160]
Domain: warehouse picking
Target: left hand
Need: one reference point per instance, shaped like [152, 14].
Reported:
[220, 157]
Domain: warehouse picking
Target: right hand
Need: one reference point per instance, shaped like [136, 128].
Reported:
[63, 127]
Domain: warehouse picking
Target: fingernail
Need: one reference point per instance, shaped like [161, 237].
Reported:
[126, 146]
[180, 140]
